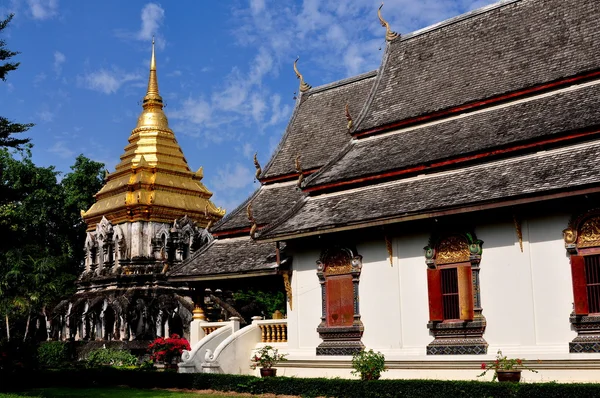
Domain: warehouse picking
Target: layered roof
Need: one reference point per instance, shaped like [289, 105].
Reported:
[483, 55]
[317, 130]
[153, 181]
[267, 204]
[462, 110]
[318, 127]
[222, 258]
[565, 171]
[490, 132]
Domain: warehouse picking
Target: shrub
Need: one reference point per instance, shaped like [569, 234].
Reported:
[168, 349]
[110, 357]
[368, 364]
[17, 355]
[53, 354]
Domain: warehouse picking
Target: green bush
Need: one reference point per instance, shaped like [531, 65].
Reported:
[110, 357]
[368, 364]
[54, 354]
[108, 377]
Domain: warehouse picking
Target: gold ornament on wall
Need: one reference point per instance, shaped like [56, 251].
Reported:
[454, 249]
[589, 233]
[517, 222]
[288, 287]
[388, 245]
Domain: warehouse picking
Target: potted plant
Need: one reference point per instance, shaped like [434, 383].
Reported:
[265, 358]
[505, 369]
[368, 364]
[168, 350]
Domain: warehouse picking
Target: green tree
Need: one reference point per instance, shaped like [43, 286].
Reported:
[43, 234]
[79, 187]
[8, 128]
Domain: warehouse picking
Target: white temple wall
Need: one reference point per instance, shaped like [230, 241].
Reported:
[305, 316]
[526, 296]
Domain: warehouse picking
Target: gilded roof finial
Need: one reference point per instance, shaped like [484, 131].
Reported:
[152, 95]
[348, 116]
[389, 35]
[303, 85]
[299, 170]
[257, 165]
[251, 219]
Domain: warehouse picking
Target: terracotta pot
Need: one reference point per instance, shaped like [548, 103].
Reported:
[509, 375]
[268, 372]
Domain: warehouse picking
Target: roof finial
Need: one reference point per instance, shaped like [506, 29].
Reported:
[250, 215]
[348, 116]
[389, 35]
[298, 166]
[152, 95]
[257, 166]
[303, 85]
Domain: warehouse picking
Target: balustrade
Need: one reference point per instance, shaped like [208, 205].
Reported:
[273, 332]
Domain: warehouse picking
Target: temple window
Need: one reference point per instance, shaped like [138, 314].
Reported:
[341, 329]
[454, 301]
[582, 241]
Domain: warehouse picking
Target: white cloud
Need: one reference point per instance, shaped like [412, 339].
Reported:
[45, 116]
[40, 77]
[152, 17]
[235, 176]
[59, 60]
[61, 149]
[105, 81]
[248, 150]
[43, 9]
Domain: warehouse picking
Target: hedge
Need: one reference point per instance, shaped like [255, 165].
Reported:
[291, 385]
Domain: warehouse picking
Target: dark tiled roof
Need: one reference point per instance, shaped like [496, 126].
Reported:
[318, 127]
[552, 171]
[268, 203]
[227, 256]
[543, 117]
[509, 47]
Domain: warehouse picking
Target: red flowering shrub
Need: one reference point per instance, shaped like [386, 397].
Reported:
[167, 349]
[501, 363]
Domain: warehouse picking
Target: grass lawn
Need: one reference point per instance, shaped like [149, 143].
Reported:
[109, 393]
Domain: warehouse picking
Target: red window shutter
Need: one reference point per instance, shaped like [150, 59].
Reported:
[434, 287]
[465, 292]
[340, 300]
[580, 298]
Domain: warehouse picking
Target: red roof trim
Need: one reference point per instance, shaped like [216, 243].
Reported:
[287, 177]
[476, 104]
[448, 162]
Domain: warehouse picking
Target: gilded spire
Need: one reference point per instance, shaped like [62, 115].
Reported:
[153, 181]
[389, 35]
[152, 96]
[303, 85]
[153, 116]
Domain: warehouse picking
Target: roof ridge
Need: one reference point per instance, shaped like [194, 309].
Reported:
[299, 102]
[455, 19]
[412, 35]
[342, 82]
[236, 210]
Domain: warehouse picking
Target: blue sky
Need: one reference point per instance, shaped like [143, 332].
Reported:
[224, 69]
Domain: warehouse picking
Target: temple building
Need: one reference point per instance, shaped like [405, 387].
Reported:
[439, 209]
[151, 214]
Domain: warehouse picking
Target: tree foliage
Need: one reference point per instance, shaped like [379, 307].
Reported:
[42, 232]
[8, 128]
